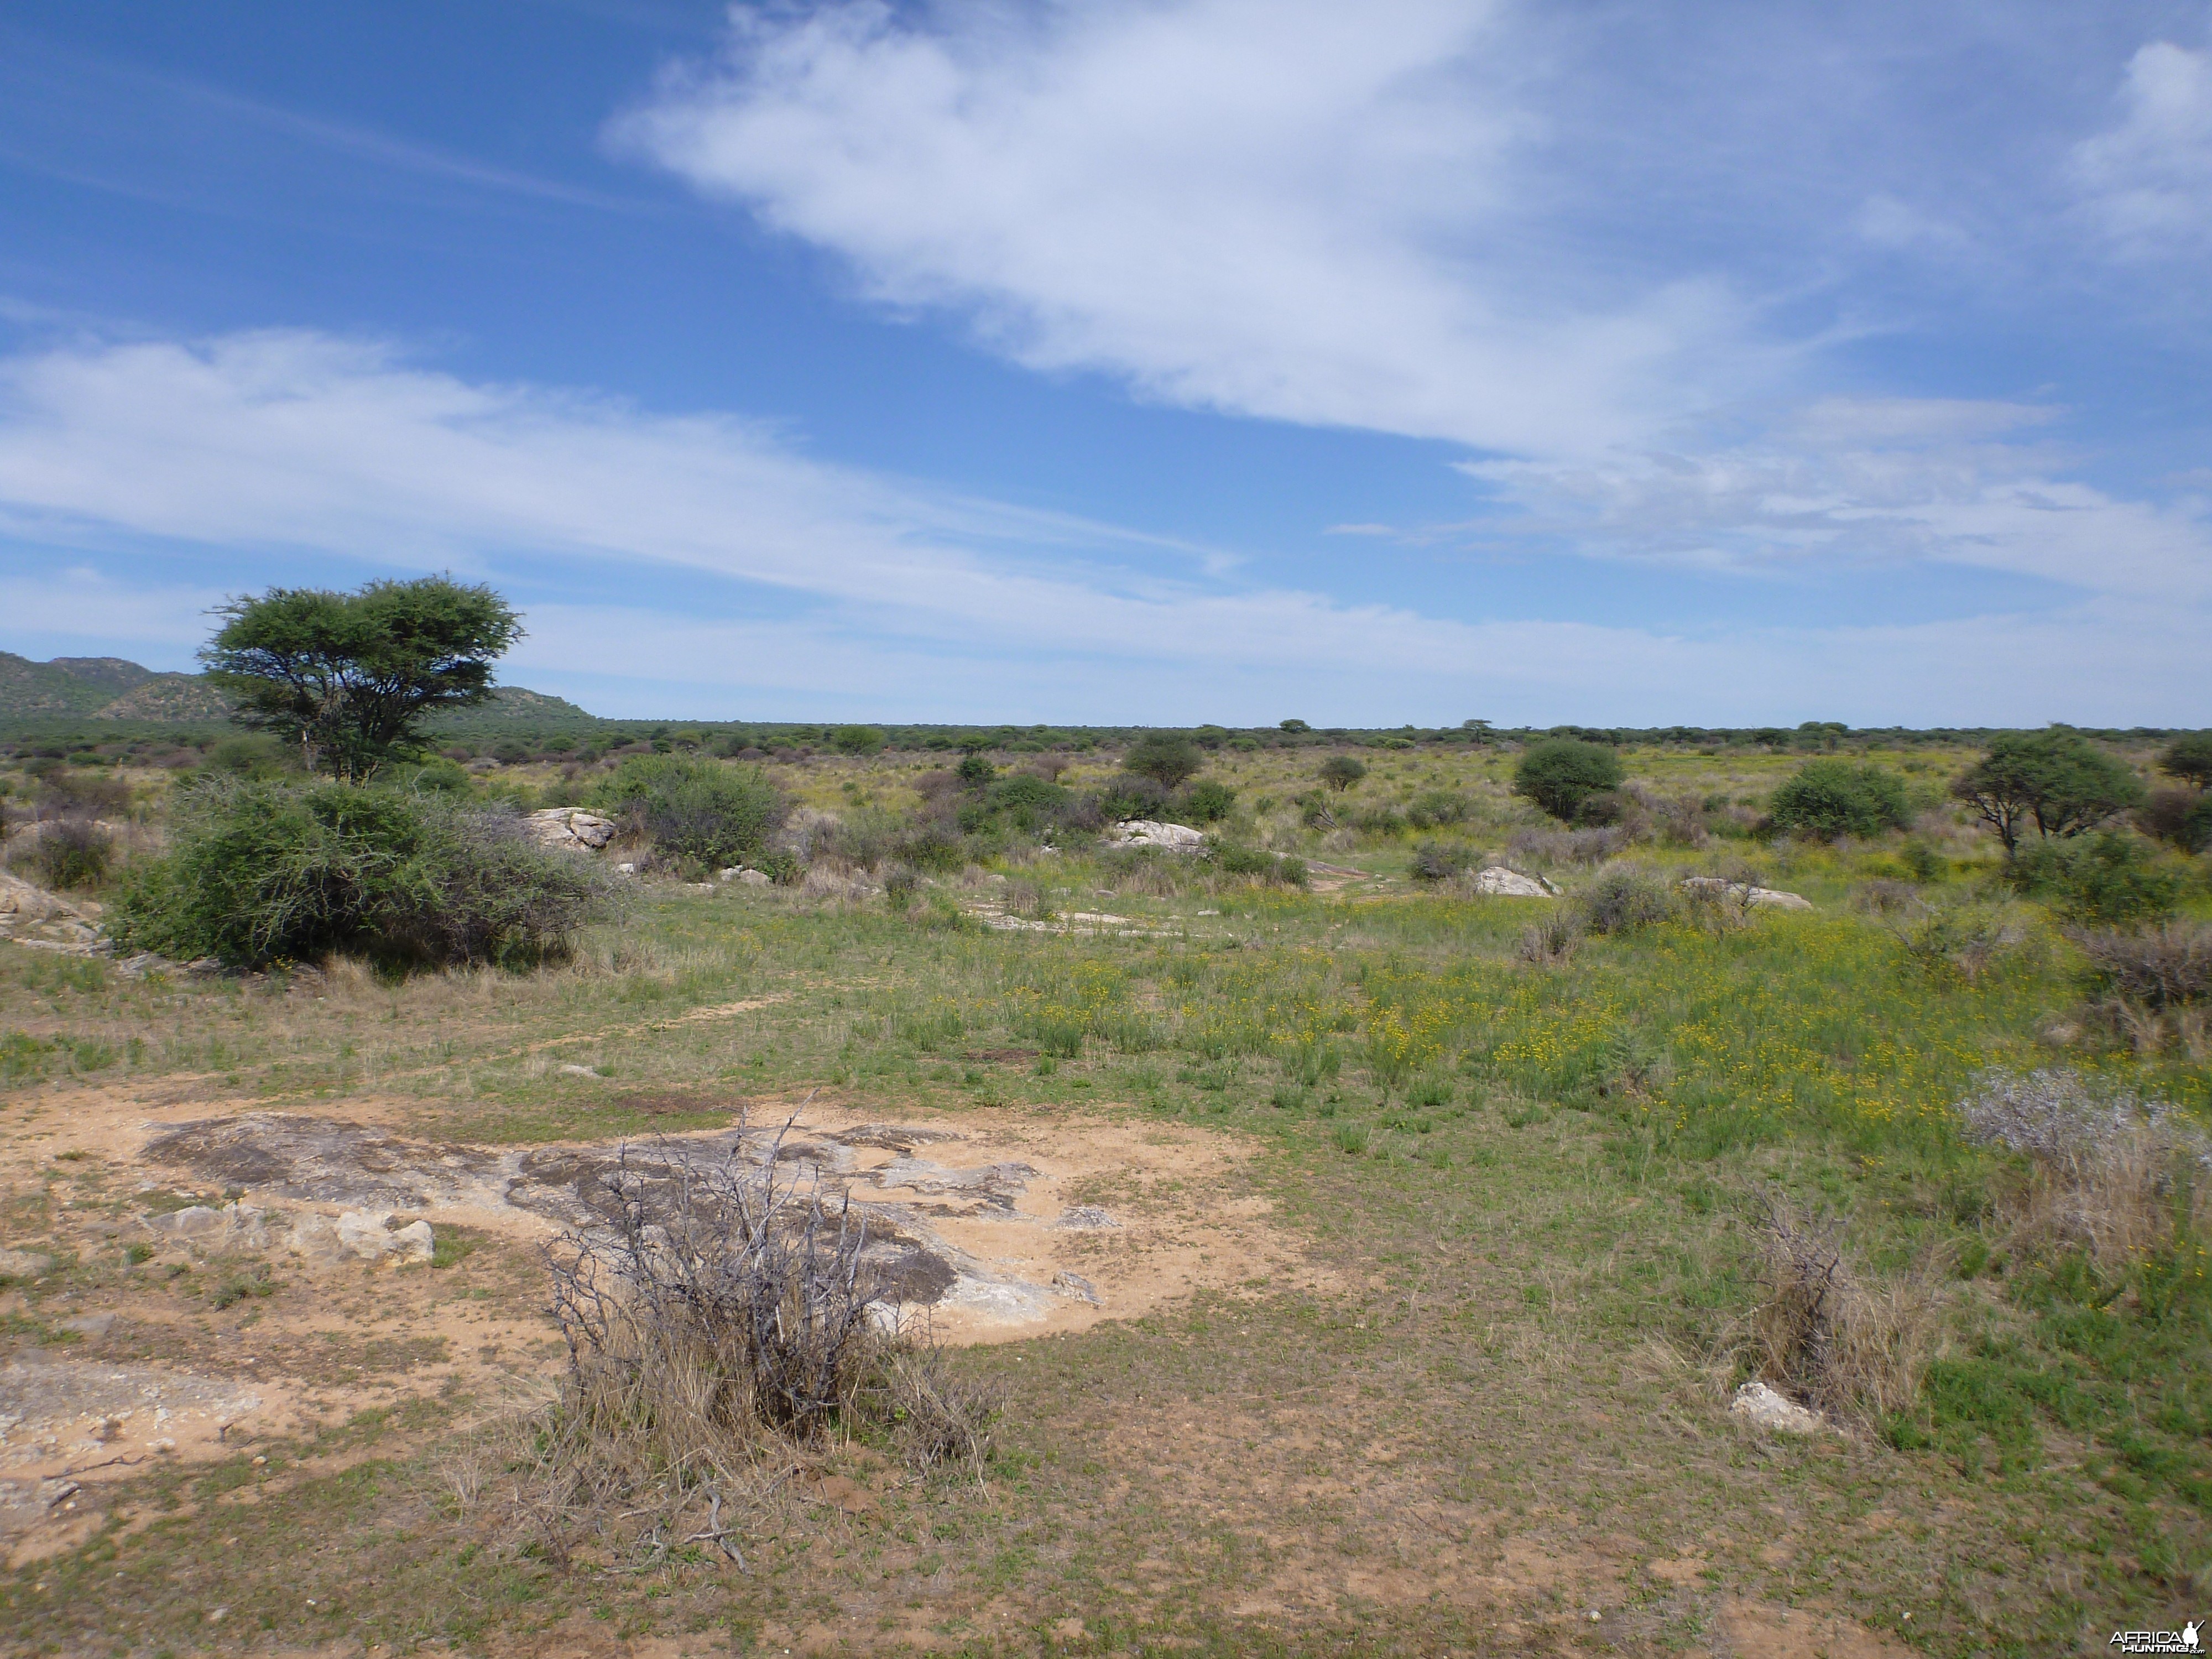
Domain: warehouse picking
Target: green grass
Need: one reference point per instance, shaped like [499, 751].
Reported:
[1517, 1181]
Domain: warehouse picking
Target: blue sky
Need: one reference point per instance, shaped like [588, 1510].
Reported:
[1196, 360]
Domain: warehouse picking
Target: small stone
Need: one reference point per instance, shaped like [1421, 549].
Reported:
[94, 1325]
[1077, 1285]
[1085, 1218]
[413, 1244]
[1763, 1409]
[578, 1071]
[193, 1221]
[25, 1264]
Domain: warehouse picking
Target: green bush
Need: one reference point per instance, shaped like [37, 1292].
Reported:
[1440, 860]
[1234, 859]
[2106, 877]
[1833, 798]
[1434, 809]
[693, 807]
[1022, 801]
[1626, 899]
[1208, 801]
[857, 740]
[2180, 818]
[257, 873]
[68, 852]
[1562, 773]
[2189, 758]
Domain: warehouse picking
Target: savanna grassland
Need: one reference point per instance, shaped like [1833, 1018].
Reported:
[1532, 1185]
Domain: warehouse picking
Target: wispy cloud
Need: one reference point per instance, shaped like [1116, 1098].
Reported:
[2149, 179]
[1290, 208]
[702, 562]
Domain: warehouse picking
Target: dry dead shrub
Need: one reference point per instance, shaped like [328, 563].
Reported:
[1552, 941]
[1852, 1344]
[2156, 968]
[2110, 1173]
[722, 1320]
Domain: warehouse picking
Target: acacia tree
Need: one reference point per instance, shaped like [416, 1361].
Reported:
[2056, 779]
[350, 676]
[1562, 773]
[1167, 759]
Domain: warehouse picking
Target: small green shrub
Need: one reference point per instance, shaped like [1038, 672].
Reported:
[857, 740]
[1828, 798]
[2105, 877]
[1440, 860]
[1625, 899]
[1208, 801]
[694, 807]
[1352, 1138]
[68, 852]
[1436, 809]
[257, 873]
[1923, 863]
[1560, 773]
[2180, 818]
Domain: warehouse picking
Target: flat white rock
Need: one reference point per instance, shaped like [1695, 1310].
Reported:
[1763, 1409]
[1500, 883]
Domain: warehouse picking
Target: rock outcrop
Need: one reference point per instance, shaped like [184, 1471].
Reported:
[1744, 893]
[1498, 882]
[571, 828]
[1168, 837]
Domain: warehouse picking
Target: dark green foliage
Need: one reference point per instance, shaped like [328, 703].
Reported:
[693, 807]
[1170, 761]
[1625, 899]
[68, 852]
[1340, 772]
[1233, 858]
[2057, 780]
[1433, 808]
[2179, 818]
[1833, 798]
[2189, 759]
[1923, 863]
[1562, 773]
[1022, 801]
[1440, 860]
[857, 740]
[974, 771]
[347, 679]
[1208, 801]
[258, 873]
[2108, 877]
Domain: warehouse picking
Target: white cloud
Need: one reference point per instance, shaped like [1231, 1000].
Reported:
[2149, 180]
[1293, 209]
[1860, 481]
[751, 577]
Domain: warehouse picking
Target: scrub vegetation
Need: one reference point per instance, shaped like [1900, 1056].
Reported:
[1930, 1157]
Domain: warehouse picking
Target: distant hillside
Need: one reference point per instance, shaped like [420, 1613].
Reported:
[113, 689]
[51, 688]
[511, 706]
[167, 697]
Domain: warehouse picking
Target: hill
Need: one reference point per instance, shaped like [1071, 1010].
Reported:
[114, 688]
